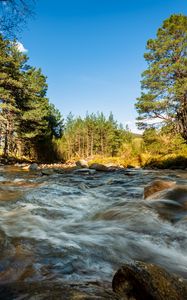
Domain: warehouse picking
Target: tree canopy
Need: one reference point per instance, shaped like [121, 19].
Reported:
[28, 121]
[13, 15]
[164, 83]
[93, 135]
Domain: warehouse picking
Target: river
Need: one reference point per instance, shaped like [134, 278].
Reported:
[82, 227]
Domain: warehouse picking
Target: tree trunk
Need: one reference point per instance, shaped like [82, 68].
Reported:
[5, 150]
[79, 145]
[91, 146]
[182, 118]
[102, 145]
[87, 139]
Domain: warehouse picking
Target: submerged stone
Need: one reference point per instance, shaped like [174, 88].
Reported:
[9, 195]
[141, 281]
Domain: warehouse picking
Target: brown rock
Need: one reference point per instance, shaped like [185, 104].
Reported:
[142, 281]
[157, 186]
[99, 167]
[47, 172]
[82, 163]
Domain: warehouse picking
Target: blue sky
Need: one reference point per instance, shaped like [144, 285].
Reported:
[92, 51]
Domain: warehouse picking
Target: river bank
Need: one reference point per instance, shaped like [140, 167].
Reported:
[172, 162]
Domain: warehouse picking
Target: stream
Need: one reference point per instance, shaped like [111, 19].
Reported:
[80, 228]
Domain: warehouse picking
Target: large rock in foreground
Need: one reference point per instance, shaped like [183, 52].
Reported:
[143, 281]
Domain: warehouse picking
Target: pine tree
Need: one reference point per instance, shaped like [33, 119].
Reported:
[40, 121]
[28, 122]
[92, 135]
[164, 84]
[11, 84]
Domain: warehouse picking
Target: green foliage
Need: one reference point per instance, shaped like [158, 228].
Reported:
[11, 84]
[168, 162]
[163, 142]
[164, 83]
[28, 121]
[101, 140]
[164, 149]
[34, 106]
[93, 135]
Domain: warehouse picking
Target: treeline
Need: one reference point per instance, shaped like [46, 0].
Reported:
[28, 122]
[93, 135]
[102, 139]
[31, 127]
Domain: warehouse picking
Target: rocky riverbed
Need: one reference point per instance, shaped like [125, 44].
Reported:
[70, 232]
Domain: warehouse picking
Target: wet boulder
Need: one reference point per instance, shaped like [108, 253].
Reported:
[114, 167]
[99, 167]
[33, 167]
[141, 281]
[47, 172]
[173, 197]
[82, 163]
[178, 194]
[170, 203]
[157, 186]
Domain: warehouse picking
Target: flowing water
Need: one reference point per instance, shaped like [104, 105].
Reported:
[82, 227]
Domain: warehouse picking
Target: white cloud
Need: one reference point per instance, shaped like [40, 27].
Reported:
[20, 47]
